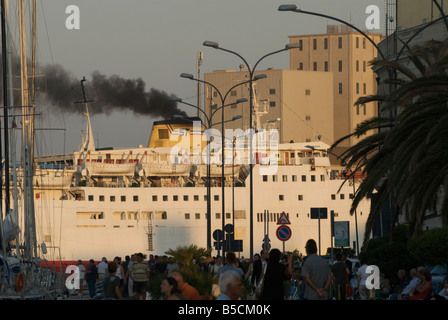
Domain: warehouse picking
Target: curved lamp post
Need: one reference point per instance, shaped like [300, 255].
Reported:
[251, 71]
[354, 190]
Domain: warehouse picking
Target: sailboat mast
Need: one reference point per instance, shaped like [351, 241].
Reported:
[27, 141]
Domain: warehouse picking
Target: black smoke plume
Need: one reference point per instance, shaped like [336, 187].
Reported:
[109, 94]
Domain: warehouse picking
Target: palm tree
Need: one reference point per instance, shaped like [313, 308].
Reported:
[406, 157]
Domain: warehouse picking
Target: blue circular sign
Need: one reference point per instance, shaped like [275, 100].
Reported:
[284, 233]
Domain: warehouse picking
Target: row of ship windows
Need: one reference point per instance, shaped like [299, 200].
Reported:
[154, 198]
[281, 197]
[293, 178]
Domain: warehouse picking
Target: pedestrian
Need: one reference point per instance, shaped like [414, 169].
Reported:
[259, 266]
[231, 264]
[217, 266]
[111, 284]
[340, 274]
[102, 269]
[276, 274]
[120, 274]
[128, 276]
[82, 274]
[171, 266]
[125, 266]
[230, 286]
[188, 291]
[170, 289]
[151, 262]
[139, 273]
[364, 293]
[316, 273]
[91, 277]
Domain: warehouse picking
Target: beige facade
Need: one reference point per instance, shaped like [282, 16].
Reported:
[301, 101]
[412, 13]
[345, 55]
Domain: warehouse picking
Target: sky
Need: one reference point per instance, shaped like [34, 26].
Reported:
[156, 41]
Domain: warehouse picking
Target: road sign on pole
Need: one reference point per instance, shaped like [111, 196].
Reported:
[283, 233]
[283, 219]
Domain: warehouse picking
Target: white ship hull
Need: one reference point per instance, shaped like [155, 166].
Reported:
[119, 221]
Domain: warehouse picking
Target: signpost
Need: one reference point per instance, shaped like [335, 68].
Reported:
[283, 233]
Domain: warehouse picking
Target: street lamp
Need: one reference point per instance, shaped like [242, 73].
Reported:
[223, 98]
[208, 125]
[354, 189]
[251, 70]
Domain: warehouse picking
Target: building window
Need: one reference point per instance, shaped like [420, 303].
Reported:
[357, 65]
[197, 216]
[357, 87]
[265, 178]
[196, 197]
[216, 197]
[342, 196]
[123, 198]
[340, 42]
[357, 109]
[135, 198]
[112, 198]
[187, 216]
[303, 178]
[307, 92]
[300, 45]
[165, 198]
[314, 44]
[294, 177]
[333, 197]
[163, 134]
[326, 66]
[272, 103]
[340, 88]
[90, 198]
[274, 178]
[300, 197]
[364, 109]
[322, 177]
[101, 198]
[281, 197]
[175, 198]
[300, 66]
[233, 93]
[314, 66]
[364, 88]
[363, 43]
[154, 198]
[340, 66]
[313, 178]
[357, 42]
[271, 91]
[285, 178]
[364, 66]
[326, 43]
[185, 198]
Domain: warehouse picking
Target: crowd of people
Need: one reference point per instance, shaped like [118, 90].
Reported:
[270, 276]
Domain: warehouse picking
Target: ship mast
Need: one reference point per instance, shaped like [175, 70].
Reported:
[88, 143]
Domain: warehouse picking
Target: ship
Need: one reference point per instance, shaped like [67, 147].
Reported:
[108, 202]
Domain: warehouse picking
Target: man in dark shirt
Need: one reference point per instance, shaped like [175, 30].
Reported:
[339, 270]
[91, 276]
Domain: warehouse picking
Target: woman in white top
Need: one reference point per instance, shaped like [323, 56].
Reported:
[120, 272]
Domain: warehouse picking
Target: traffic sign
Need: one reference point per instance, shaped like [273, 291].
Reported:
[284, 233]
[283, 219]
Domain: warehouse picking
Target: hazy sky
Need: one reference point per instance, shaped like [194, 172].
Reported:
[157, 40]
